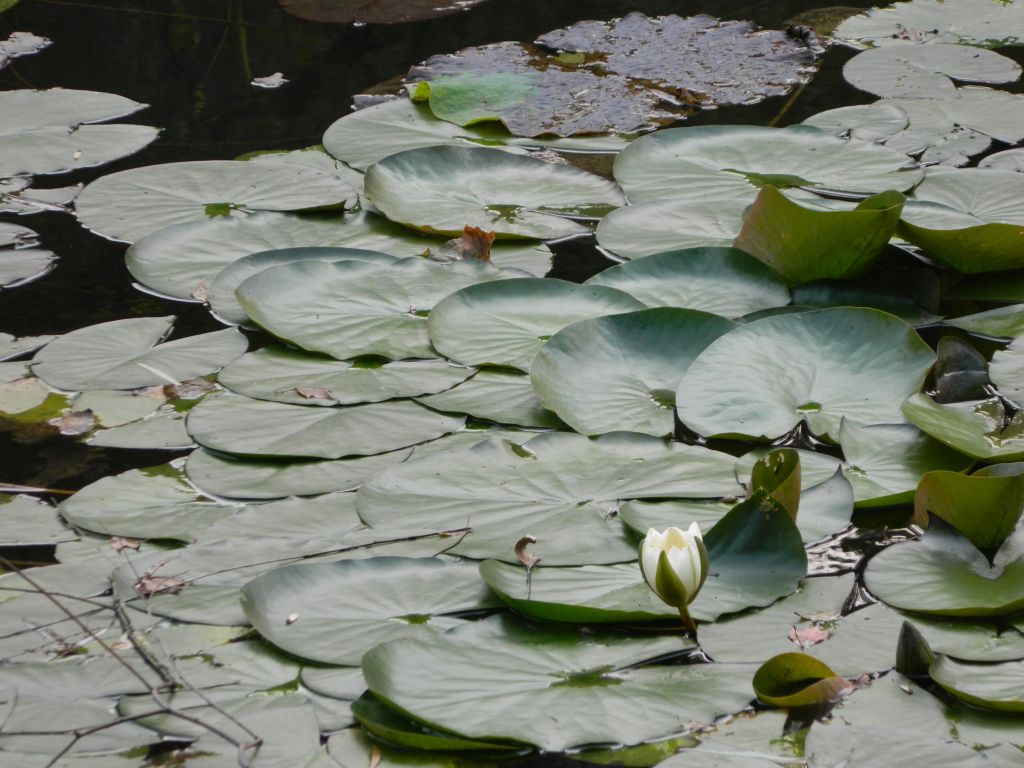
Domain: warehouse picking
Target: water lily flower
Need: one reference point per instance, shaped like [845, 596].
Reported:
[675, 565]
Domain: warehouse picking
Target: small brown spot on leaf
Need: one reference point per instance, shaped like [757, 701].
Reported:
[808, 636]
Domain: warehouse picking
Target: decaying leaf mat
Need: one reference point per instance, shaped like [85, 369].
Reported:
[625, 75]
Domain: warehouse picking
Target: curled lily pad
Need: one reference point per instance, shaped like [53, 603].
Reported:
[722, 281]
[794, 680]
[54, 131]
[260, 428]
[131, 204]
[441, 190]
[624, 75]
[126, 354]
[347, 309]
[991, 686]
[625, 368]
[764, 378]
[507, 322]
[985, 506]
[972, 22]
[803, 244]
[978, 428]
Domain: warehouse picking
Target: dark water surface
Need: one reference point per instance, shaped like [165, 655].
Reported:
[193, 61]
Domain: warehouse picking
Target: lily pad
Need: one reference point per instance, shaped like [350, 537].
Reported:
[972, 22]
[30, 522]
[130, 204]
[1001, 322]
[978, 428]
[501, 396]
[713, 157]
[20, 261]
[571, 689]
[506, 322]
[336, 612]
[1007, 371]
[1008, 160]
[944, 573]
[558, 487]
[804, 244]
[991, 686]
[722, 281]
[985, 506]
[291, 376]
[53, 131]
[373, 11]
[442, 189]
[163, 430]
[348, 309]
[260, 428]
[764, 378]
[795, 680]
[861, 122]
[625, 368]
[125, 354]
[621, 76]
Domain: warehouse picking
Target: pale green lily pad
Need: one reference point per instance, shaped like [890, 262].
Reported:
[1001, 322]
[292, 376]
[943, 573]
[441, 190]
[348, 309]
[926, 71]
[722, 281]
[977, 428]
[715, 156]
[990, 686]
[572, 689]
[625, 368]
[326, 517]
[30, 522]
[53, 131]
[560, 488]
[764, 378]
[126, 354]
[971, 22]
[237, 478]
[21, 263]
[862, 122]
[1007, 160]
[984, 506]
[336, 612]
[504, 397]
[261, 428]
[489, 323]
[131, 204]
[11, 347]
[1007, 371]
[22, 394]
[163, 430]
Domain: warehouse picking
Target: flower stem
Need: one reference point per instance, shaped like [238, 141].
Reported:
[689, 625]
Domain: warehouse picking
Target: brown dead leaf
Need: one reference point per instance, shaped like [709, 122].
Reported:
[313, 394]
[474, 243]
[528, 560]
[201, 292]
[150, 585]
[74, 422]
[805, 638]
[119, 543]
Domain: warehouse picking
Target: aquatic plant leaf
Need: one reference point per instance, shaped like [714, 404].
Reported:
[30, 522]
[163, 430]
[126, 354]
[346, 608]
[1007, 371]
[348, 309]
[977, 428]
[54, 131]
[803, 244]
[971, 22]
[984, 506]
[501, 396]
[130, 204]
[895, 296]
[1002, 322]
[621, 76]
[506, 322]
[20, 262]
[944, 573]
[625, 368]
[861, 122]
[1007, 160]
[260, 428]
[510, 195]
[766, 377]
[795, 680]
[373, 11]
[714, 157]
[19, 44]
[291, 376]
[558, 487]
[990, 686]
[722, 281]
[571, 688]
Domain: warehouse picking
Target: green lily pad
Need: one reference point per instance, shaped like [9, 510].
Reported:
[237, 478]
[558, 487]
[867, 292]
[625, 368]
[969, 219]
[1007, 160]
[20, 262]
[131, 204]
[347, 309]
[861, 122]
[489, 324]
[291, 376]
[944, 573]
[54, 131]
[764, 378]
[971, 639]
[11, 347]
[22, 394]
[220, 293]
[346, 608]
[510, 195]
[716, 156]
[571, 689]
[985, 506]
[926, 70]
[803, 244]
[977, 428]
[260, 428]
[795, 680]
[501, 396]
[126, 354]
[1007, 371]
[722, 281]
[1001, 322]
[990, 686]
[30, 522]
[972, 22]
[162, 430]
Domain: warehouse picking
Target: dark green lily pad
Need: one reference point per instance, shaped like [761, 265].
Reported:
[978, 428]
[1001, 322]
[972, 22]
[622, 76]
[795, 680]
[625, 368]
[510, 195]
[501, 396]
[985, 506]
[505, 323]
[763, 378]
